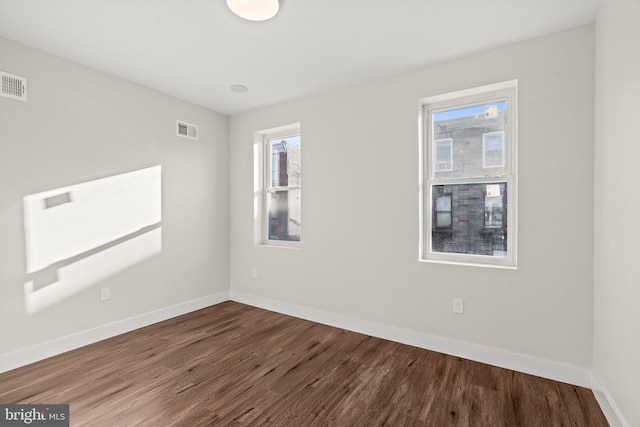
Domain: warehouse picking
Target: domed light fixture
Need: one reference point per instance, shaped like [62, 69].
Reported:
[254, 10]
[239, 88]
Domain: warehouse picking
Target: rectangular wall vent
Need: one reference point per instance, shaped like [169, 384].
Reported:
[186, 130]
[14, 87]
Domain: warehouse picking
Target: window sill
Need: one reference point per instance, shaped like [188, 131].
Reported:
[468, 264]
[280, 244]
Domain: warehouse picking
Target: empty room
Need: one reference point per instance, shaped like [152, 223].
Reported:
[319, 213]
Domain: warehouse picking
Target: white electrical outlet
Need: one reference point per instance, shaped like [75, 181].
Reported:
[105, 294]
[254, 273]
[458, 305]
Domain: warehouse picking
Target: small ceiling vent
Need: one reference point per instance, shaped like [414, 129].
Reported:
[186, 130]
[14, 87]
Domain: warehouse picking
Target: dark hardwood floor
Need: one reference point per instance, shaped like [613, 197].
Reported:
[237, 365]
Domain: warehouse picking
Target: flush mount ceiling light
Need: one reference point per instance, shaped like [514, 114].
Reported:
[254, 10]
[239, 88]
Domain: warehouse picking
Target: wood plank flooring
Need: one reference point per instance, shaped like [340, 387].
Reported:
[236, 365]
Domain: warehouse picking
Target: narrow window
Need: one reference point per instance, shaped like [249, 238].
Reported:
[283, 188]
[468, 203]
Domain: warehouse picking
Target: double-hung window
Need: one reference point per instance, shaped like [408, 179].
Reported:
[282, 187]
[469, 159]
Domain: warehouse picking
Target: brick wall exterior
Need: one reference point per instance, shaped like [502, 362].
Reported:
[468, 234]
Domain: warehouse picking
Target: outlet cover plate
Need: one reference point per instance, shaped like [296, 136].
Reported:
[458, 305]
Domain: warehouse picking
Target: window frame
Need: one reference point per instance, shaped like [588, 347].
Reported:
[505, 91]
[263, 184]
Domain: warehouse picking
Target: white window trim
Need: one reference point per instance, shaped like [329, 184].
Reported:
[449, 141]
[501, 91]
[484, 150]
[261, 182]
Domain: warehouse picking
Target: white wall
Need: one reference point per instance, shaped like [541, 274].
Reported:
[359, 255]
[80, 125]
[617, 205]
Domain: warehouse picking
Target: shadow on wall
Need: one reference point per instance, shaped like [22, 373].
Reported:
[79, 235]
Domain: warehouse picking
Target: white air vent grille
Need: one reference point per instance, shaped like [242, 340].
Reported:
[14, 87]
[186, 130]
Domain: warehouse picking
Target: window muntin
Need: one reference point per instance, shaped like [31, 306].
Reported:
[283, 189]
[479, 227]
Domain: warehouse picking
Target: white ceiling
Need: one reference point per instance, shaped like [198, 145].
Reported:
[196, 49]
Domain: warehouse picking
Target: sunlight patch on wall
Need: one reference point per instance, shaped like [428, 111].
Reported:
[80, 275]
[79, 235]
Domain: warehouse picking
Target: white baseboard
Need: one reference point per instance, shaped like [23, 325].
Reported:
[22, 357]
[609, 409]
[505, 359]
[557, 371]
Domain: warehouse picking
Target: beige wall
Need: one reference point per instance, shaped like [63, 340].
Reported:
[359, 255]
[80, 125]
[617, 204]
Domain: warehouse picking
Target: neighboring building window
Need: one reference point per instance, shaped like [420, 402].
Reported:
[493, 150]
[283, 188]
[469, 179]
[443, 156]
[442, 215]
[494, 205]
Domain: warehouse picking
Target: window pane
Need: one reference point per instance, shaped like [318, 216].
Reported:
[443, 203]
[465, 128]
[284, 210]
[477, 219]
[443, 219]
[285, 161]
